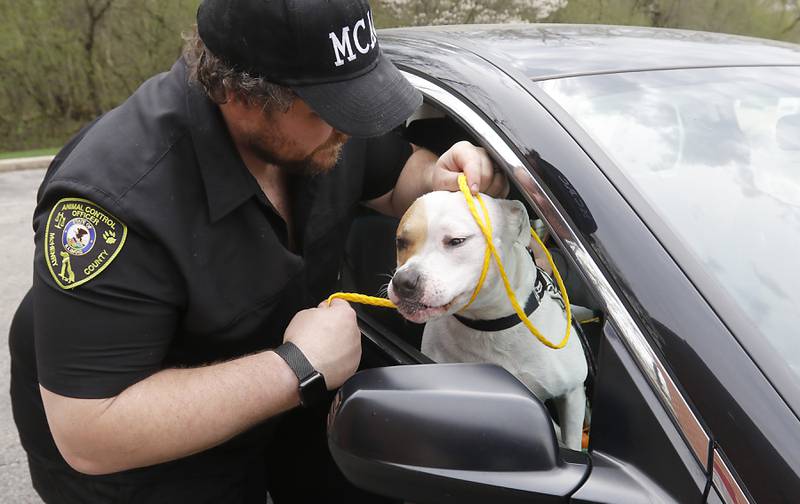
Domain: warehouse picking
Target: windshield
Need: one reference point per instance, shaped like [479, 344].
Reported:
[716, 153]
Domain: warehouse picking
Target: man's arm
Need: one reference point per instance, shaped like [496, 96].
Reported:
[424, 172]
[177, 412]
[171, 414]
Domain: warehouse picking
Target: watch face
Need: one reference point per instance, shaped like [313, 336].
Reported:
[313, 389]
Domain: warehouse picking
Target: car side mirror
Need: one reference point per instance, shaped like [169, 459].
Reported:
[449, 433]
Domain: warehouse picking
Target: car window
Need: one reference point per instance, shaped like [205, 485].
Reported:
[716, 154]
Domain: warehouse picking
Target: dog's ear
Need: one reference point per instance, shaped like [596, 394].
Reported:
[517, 224]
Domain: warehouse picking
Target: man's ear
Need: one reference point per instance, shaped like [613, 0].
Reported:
[516, 222]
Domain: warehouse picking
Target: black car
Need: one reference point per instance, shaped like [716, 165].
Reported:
[664, 166]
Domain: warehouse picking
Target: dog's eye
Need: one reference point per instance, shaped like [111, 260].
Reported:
[455, 242]
[401, 244]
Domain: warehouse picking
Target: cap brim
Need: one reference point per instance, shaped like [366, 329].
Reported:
[366, 106]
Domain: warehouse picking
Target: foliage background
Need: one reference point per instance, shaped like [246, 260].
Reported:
[64, 62]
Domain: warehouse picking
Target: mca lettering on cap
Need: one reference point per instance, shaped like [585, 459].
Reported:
[326, 51]
[342, 46]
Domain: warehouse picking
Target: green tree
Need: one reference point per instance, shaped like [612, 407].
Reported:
[66, 61]
[432, 12]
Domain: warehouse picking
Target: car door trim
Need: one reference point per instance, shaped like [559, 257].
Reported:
[725, 482]
[646, 358]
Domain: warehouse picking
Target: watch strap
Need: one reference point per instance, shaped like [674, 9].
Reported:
[296, 360]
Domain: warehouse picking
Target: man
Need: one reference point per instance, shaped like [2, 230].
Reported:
[186, 233]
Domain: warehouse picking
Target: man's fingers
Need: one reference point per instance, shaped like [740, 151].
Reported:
[475, 164]
[481, 170]
[464, 157]
[448, 180]
[336, 302]
[472, 170]
[487, 168]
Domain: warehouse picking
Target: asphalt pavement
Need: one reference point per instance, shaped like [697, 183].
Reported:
[17, 199]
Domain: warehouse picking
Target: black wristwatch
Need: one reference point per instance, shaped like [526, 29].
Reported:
[312, 384]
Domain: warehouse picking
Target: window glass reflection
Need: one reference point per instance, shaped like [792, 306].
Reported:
[716, 153]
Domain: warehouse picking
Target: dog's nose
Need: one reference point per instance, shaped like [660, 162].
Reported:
[405, 283]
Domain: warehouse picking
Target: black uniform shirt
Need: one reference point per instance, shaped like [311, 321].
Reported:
[175, 256]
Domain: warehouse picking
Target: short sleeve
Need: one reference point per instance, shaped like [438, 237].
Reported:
[385, 157]
[106, 298]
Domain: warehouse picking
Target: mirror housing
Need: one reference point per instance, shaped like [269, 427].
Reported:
[449, 433]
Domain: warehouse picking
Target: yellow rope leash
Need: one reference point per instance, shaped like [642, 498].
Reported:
[362, 299]
[486, 228]
[487, 255]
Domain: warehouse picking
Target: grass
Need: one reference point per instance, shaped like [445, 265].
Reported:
[28, 153]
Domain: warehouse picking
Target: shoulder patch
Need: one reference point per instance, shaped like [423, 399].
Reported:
[81, 240]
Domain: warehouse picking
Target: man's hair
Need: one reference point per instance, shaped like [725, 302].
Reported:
[218, 78]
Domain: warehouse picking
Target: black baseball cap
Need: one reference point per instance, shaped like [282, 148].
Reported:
[326, 51]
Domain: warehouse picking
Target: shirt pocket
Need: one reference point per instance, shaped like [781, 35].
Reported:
[235, 270]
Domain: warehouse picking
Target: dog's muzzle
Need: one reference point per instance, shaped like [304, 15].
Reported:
[406, 284]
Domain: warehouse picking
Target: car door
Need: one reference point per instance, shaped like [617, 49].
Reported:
[646, 441]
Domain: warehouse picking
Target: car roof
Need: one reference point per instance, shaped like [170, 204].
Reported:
[547, 51]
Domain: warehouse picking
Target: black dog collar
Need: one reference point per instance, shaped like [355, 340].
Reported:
[510, 321]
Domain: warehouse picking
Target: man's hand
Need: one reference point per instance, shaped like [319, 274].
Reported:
[474, 162]
[329, 338]
[424, 172]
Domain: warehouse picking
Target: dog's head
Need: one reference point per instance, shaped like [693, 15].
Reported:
[440, 251]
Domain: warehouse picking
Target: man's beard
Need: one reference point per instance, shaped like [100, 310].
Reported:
[320, 161]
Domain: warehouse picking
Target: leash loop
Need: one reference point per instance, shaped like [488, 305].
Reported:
[462, 184]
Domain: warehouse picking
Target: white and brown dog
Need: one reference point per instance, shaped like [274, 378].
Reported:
[440, 252]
